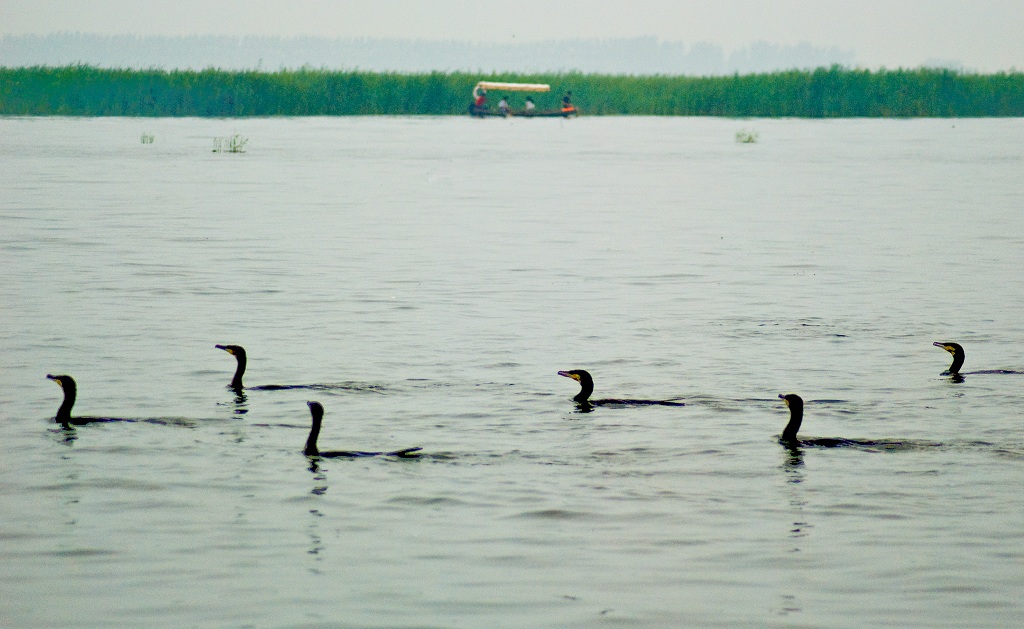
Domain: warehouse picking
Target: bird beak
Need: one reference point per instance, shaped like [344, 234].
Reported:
[574, 376]
[783, 398]
[226, 349]
[55, 379]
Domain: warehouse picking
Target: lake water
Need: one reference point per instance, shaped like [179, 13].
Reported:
[440, 271]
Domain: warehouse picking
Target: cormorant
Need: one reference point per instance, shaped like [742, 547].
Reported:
[587, 387]
[958, 362]
[70, 393]
[796, 416]
[63, 416]
[958, 357]
[236, 382]
[239, 353]
[317, 410]
[65, 419]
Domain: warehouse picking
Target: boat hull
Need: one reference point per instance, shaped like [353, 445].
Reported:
[484, 112]
[555, 113]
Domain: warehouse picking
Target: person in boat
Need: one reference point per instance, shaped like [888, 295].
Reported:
[530, 107]
[479, 104]
[567, 106]
[503, 105]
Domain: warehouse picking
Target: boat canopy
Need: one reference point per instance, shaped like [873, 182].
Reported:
[510, 87]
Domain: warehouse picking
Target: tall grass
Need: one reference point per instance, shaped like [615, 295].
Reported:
[82, 90]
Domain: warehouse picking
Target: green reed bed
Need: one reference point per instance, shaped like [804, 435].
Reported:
[82, 90]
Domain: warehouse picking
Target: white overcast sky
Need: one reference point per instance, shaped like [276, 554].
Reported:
[985, 35]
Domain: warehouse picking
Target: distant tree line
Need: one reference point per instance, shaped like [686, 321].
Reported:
[632, 55]
[834, 92]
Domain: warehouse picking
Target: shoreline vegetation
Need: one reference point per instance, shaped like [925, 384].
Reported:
[835, 92]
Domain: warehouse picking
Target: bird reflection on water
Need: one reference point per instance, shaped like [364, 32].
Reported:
[240, 403]
[793, 469]
[793, 472]
[316, 541]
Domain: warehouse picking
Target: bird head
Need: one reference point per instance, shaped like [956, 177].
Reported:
[949, 346]
[66, 382]
[234, 350]
[792, 400]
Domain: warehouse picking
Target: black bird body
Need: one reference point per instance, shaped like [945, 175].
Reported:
[63, 417]
[958, 357]
[236, 382]
[67, 383]
[317, 411]
[239, 353]
[789, 437]
[587, 388]
[958, 361]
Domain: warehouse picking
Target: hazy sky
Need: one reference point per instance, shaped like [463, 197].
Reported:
[983, 35]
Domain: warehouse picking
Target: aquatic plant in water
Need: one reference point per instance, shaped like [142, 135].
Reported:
[147, 138]
[746, 136]
[234, 144]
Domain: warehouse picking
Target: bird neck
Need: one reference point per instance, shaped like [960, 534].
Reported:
[958, 361]
[64, 412]
[236, 382]
[314, 432]
[586, 388]
[796, 416]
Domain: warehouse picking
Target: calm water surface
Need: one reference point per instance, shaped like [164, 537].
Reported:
[440, 271]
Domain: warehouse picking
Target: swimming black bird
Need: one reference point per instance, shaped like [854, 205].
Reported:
[70, 393]
[236, 382]
[65, 419]
[239, 353]
[958, 362]
[317, 411]
[63, 416]
[796, 416]
[789, 439]
[587, 387]
[958, 357]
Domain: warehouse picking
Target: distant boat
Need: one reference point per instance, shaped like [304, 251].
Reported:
[479, 107]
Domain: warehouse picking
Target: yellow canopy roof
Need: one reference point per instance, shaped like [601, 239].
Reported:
[511, 87]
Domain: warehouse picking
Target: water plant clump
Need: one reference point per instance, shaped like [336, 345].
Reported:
[234, 144]
[148, 138]
[747, 136]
